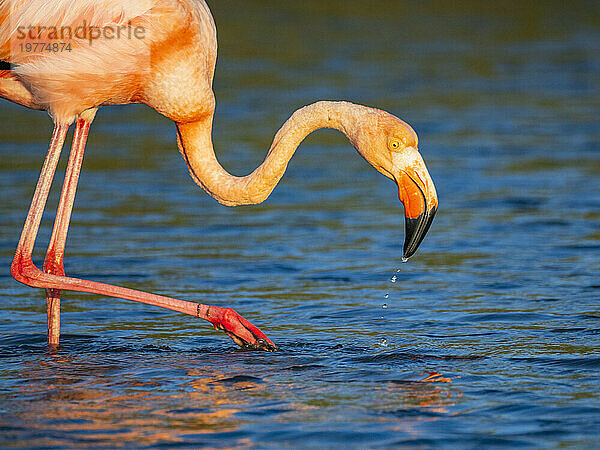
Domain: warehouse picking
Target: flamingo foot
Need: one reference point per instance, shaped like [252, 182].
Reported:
[239, 329]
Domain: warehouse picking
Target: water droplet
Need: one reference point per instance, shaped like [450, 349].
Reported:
[387, 295]
[383, 342]
[394, 278]
[384, 306]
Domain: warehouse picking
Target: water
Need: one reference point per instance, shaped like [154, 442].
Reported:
[501, 300]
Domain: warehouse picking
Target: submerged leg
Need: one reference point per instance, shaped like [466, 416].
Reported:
[53, 262]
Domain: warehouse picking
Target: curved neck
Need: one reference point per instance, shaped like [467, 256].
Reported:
[195, 144]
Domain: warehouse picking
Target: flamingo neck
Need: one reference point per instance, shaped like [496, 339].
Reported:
[195, 144]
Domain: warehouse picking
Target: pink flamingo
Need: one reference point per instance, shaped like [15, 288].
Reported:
[162, 53]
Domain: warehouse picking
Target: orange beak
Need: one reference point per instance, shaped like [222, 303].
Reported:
[417, 192]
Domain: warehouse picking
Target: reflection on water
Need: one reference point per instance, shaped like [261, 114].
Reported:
[167, 396]
[501, 300]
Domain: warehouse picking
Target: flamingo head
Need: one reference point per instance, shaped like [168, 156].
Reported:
[391, 147]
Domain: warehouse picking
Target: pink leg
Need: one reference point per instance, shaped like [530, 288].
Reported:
[23, 270]
[32, 223]
[54, 256]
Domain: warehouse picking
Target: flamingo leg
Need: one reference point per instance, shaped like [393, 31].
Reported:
[34, 217]
[53, 279]
[53, 262]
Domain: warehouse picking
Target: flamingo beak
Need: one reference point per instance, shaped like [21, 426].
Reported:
[417, 192]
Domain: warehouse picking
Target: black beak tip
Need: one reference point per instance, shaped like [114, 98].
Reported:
[415, 231]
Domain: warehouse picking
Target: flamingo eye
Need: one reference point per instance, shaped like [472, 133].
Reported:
[394, 145]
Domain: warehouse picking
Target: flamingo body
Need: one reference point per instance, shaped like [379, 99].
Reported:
[169, 68]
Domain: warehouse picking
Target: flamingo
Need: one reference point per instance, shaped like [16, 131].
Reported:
[164, 56]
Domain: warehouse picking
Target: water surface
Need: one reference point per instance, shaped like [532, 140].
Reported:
[502, 298]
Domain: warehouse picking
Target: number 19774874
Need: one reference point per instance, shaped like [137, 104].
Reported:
[39, 47]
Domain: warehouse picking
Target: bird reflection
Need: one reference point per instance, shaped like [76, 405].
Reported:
[111, 399]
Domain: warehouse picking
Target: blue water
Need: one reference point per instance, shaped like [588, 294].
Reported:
[502, 299]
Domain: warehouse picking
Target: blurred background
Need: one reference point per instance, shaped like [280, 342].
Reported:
[501, 298]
